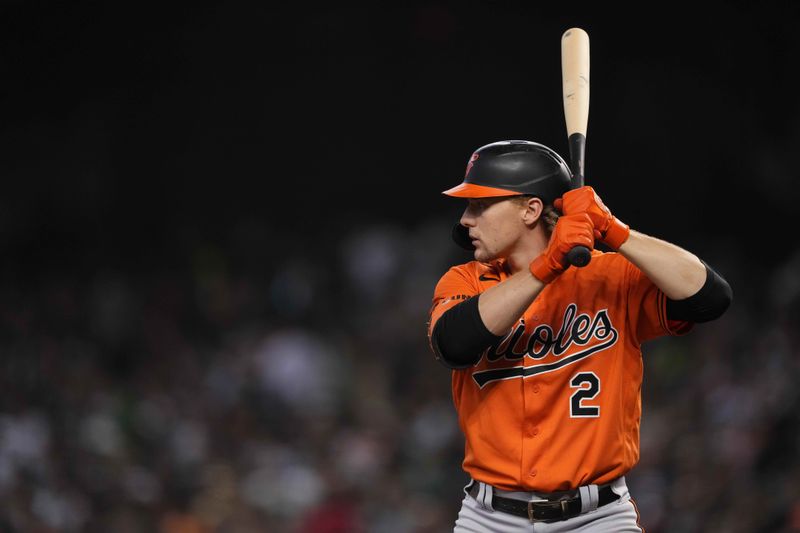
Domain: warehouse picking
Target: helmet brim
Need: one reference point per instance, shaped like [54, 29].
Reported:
[470, 190]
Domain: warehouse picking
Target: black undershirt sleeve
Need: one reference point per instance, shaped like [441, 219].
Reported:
[713, 298]
[460, 336]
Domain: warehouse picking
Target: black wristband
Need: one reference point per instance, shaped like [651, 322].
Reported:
[460, 336]
[705, 305]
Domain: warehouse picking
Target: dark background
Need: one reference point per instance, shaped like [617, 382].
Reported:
[121, 124]
[244, 166]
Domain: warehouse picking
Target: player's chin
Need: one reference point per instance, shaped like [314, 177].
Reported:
[482, 254]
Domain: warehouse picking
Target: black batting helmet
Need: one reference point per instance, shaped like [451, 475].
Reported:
[511, 168]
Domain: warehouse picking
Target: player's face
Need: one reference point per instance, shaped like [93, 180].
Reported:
[494, 224]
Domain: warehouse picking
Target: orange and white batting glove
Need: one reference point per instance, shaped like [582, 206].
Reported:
[608, 228]
[570, 231]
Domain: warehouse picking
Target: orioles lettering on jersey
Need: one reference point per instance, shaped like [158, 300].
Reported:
[580, 329]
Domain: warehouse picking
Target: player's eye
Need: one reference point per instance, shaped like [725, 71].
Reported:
[477, 206]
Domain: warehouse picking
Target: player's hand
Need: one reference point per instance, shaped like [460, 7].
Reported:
[608, 228]
[570, 231]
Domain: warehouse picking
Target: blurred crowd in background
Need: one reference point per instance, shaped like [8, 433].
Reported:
[299, 395]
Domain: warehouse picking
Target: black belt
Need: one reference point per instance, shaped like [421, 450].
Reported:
[547, 510]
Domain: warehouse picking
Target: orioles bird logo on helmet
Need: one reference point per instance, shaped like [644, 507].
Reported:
[472, 160]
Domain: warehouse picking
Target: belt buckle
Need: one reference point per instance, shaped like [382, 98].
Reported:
[530, 510]
[556, 504]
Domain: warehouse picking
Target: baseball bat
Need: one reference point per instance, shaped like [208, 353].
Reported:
[575, 85]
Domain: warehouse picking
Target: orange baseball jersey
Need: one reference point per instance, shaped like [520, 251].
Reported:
[556, 403]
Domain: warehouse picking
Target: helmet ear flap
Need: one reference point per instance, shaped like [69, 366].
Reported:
[460, 235]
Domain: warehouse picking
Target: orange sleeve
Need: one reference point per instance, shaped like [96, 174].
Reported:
[458, 284]
[647, 308]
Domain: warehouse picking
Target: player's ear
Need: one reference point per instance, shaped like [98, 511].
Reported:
[533, 210]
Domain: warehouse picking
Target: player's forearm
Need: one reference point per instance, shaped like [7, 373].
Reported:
[678, 273]
[502, 306]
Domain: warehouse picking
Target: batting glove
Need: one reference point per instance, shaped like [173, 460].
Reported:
[570, 231]
[608, 228]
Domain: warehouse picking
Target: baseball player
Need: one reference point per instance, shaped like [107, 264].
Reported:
[546, 360]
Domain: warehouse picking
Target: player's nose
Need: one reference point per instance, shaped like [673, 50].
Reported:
[467, 219]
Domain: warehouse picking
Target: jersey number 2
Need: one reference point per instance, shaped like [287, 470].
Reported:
[588, 385]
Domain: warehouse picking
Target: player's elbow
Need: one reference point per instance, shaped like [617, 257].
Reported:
[718, 304]
[709, 303]
[460, 337]
[452, 358]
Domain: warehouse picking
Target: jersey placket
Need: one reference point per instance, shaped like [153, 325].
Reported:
[532, 435]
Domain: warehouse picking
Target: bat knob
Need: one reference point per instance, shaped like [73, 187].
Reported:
[579, 256]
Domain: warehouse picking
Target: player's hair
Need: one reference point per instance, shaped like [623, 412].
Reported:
[550, 216]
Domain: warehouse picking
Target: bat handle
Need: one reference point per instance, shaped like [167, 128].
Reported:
[579, 256]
